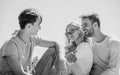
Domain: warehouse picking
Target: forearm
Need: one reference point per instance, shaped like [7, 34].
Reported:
[113, 71]
[114, 61]
[44, 43]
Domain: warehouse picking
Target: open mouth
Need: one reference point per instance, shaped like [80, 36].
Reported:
[85, 31]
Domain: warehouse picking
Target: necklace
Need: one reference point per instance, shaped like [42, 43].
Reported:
[22, 39]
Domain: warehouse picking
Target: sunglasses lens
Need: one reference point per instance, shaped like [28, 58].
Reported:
[70, 33]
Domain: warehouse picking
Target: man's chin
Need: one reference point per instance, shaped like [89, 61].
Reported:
[88, 35]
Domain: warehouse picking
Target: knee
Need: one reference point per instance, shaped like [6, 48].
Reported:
[51, 51]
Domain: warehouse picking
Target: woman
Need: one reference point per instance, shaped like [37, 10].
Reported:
[77, 52]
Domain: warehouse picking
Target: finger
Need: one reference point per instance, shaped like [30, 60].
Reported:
[68, 59]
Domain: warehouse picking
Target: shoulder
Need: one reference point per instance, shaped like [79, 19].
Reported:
[13, 41]
[113, 41]
[85, 46]
[10, 47]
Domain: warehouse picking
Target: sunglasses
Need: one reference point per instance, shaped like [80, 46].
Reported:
[71, 32]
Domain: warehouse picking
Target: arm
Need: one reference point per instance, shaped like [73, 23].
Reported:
[45, 43]
[114, 62]
[69, 53]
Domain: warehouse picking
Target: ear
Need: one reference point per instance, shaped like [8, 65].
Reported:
[28, 25]
[95, 24]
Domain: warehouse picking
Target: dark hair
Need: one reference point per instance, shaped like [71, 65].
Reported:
[93, 18]
[29, 15]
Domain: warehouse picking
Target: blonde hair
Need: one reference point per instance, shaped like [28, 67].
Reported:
[76, 24]
[73, 44]
[73, 24]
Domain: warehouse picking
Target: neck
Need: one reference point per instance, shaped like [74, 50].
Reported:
[98, 36]
[24, 36]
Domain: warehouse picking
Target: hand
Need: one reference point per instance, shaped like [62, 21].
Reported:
[71, 57]
[67, 49]
[70, 48]
[56, 46]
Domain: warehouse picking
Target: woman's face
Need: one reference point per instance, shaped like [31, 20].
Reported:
[73, 33]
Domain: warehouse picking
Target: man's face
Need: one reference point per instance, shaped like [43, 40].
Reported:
[87, 27]
[35, 27]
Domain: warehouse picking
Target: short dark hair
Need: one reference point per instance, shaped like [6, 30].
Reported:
[93, 18]
[29, 15]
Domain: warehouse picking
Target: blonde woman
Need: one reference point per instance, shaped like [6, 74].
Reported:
[78, 52]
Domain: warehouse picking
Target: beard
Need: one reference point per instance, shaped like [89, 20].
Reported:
[89, 33]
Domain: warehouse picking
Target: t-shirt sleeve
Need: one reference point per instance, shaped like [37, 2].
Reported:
[114, 61]
[11, 49]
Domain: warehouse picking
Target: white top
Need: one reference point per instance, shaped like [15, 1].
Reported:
[84, 61]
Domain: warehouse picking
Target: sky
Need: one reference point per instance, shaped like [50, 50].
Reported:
[57, 14]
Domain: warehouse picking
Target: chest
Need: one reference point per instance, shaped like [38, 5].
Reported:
[101, 52]
[25, 53]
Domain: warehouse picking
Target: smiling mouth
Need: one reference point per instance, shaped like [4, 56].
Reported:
[85, 31]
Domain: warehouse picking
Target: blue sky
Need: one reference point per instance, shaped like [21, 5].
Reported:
[56, 15]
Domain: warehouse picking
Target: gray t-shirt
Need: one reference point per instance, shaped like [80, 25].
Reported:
[16, 47]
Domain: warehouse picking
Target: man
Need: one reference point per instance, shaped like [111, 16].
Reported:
[17, 53]
[106, 49]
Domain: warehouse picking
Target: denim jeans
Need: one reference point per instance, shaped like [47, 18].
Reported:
[46, 63]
